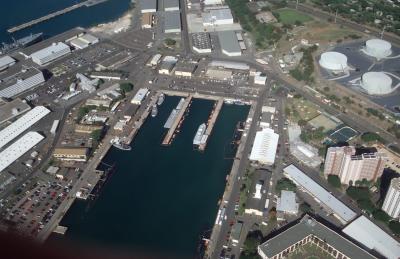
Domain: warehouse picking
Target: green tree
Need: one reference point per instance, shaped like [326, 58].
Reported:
[253, 240]
[285, 184]
[358, 193]
[395, 227]
[370, 137]
[302, 123]
[96, 134]
[126, 87]
[334, 181]
[170, 42]
[306, 208]
[367, 205]
[381, 216]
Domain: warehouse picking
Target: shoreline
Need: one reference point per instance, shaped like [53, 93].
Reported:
[123, 23]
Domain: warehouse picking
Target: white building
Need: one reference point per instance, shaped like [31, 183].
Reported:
[22, 124]
[218, 17]
[51, 53]
[139, 96]
[21, 82]
[18, 148]
[260, 78]
[373, 237]
[212, 2]
[6, 62]
[264, 147]
[287, 203]
[84, 41]
[229, 43]
[54, 127]
[391, 205]
[148, 6]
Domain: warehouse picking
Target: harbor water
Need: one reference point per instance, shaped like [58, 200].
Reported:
[160, 199]
[16, 12]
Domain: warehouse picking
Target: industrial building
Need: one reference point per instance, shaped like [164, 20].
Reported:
[106, 75]
[87, 129]
[260, 78]
[54, 127]
[264, 147]
[83, 41]
[78, 154]
[218, 17]
[286, 203]
[98, 102]
[219, 74]
[115, 61]
[201, 42]
[185, 69]
[373, 237]
[139, 96]
[6, 62]
[236, 232]
[391, 205]
[171, 5]
[51, 53]
[148, 6]
[308, 230]
[147, 20]
[229, 65]
[378, 48]
[376, 83]
[19, 148]
[212, 2]
[172, 22]
[154, 60]
[352, 167]
[327, 200]
[13, 109]
[333, 61]
[166, 68]
[229, 43]
[20, 82]
[19, 126]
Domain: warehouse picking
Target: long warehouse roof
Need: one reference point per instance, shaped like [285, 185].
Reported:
[22, 124]
[318, 192]
[18, 148]
[264, 147]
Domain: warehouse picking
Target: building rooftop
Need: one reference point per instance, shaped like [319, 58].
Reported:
[76, 151]
[229, 64]
[201, 40]
[53, 48]
[229, 42]
[264, 146]
[5, 61]
[309, 226]
[371, 236]
[287, 202]
[172, 21]
[171, 4]
[11, 79]
[13, 109]
[148, 4]
[344, 213]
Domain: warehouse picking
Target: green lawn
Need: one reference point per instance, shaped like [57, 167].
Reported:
[290, 16]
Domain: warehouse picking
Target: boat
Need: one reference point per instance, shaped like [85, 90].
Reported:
[161, 98]
[154, 111]
[21, 43]
[199, 134]
[116, 142]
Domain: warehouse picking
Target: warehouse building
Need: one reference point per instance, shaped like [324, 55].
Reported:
[98, 102]
[20, 82]
[171, 5]
[286, 203]
[373, 237]
[19, 126]
[229, 43]
[147, 20]
[84, 41]
[218, 17]
[327, 200]
[115, 61]
[6, 62]
[139, 96]
[201, 42]
[19, 148]
[166, 68]
[78, 154]
[87, 129]
[106, 75]
[308, 230]
[219, 74]
[13, 109]
[264, 147]
[51, 53]
[172, 23]
[229, 65]
[185, 69]
[148, 6]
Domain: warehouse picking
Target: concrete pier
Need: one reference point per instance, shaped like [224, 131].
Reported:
[176, 124]
[54, 14]
[211, 122]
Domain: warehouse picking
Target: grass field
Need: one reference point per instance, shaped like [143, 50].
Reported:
[290, 16]
[302, 109]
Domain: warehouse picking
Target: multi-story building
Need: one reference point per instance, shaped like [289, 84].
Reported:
[78, 154]
[350, 167]
[391, 205]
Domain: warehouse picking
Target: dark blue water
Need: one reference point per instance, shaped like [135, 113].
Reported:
[160, 199]
[16, 12]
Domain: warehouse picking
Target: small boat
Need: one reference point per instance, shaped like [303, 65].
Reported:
[154, 111]
[161, 98]
[120, 145]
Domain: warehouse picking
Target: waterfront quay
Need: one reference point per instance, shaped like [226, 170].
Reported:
[87, 3]
[211, 122]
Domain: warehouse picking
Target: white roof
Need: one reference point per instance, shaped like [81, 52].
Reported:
[89, 38]
[22, 124]
[219, 14]
[377, 83]
[6, 60]
[140, 95]
[229, 64]
[287, 202]
[333, 60]
[54, 48]
[264, 147]
[18, 148]
[317, 191]
[257, 194]
[370, 235]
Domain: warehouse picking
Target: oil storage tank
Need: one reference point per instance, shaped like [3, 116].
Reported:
[333, 61]
[378, 48]
[376, 83]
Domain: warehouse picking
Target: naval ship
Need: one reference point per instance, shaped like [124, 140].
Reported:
[160, 99]
[199, 134]
[154, 111]
[21, 43]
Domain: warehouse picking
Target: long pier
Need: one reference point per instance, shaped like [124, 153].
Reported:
[211, 123]
[171, 132]
[87, 3]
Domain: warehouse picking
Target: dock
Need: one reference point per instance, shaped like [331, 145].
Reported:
[138, 124]
[60, 230]
[87, 3]
[211, 123]
[177, 122]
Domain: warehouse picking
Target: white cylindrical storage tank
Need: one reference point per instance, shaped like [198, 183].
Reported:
[376, 83]
[378, 48]
[334, 61]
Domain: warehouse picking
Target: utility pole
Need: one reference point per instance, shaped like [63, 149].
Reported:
[336, 15]
[383, 31]
[297, 4]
